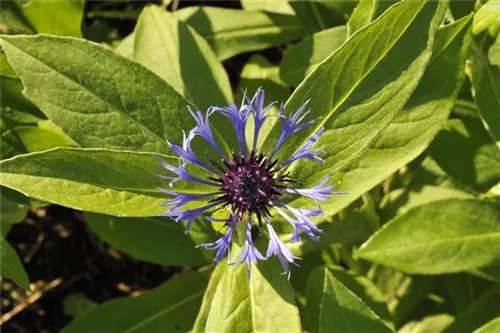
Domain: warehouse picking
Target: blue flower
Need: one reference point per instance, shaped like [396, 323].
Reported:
[248, 184]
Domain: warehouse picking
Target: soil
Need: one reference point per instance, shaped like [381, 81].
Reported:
[63, 257]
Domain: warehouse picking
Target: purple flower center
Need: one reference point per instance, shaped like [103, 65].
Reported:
[250, 184]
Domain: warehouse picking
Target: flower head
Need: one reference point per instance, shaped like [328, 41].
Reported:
[248, 183]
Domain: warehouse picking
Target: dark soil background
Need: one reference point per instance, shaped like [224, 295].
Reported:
[59, 252]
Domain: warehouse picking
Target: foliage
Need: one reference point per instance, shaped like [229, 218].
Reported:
[408, 93]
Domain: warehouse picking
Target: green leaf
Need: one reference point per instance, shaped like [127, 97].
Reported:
[303, 57]
[171, 307]
[121, 104]
[234, 304]
[485, 79]
[317, 15]
[11, 266]
[365, 12]
[435, 323]
[96, 180]
[77, 304]
[162, 241]
[487, 17]
[332, 307]
[279, 6]
[180, 56]
[401, 200]
[494, 52]
[412, 130]
[446, 236]
[475, 160]
[13, 206]
[484, 309]
[490, 327]
[355, 103]
[38, 16]
[241, 31]
[126, 46]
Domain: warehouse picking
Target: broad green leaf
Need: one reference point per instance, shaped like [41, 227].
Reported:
[234, 304]
[333, 307]
[365, 12]
[180, 56]
[303, 57]
[446, 236]
[484, 309]
[96, 180]
[492, 326]
[412, 130]
[53, 17]
[241, 31]
[487, 17]
[171, 307]
[11, 266]
[317, 15]
[13, 206]
[435, 323]
[121, 104]
[162, 241]
[278, 6]
[485, 79]
[355, 103]
[401, 200]
[465, 152]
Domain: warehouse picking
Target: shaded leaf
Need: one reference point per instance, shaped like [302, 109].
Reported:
[332, 307]
[303, 57]
[11, 266]
[476, 160]
[485, 79]
[241, 31]
[13, 206]
[171, 307]
[180, 56]
[279, 6]
[446, 237]
[317, 15]
[484, 309]
[162, 240]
